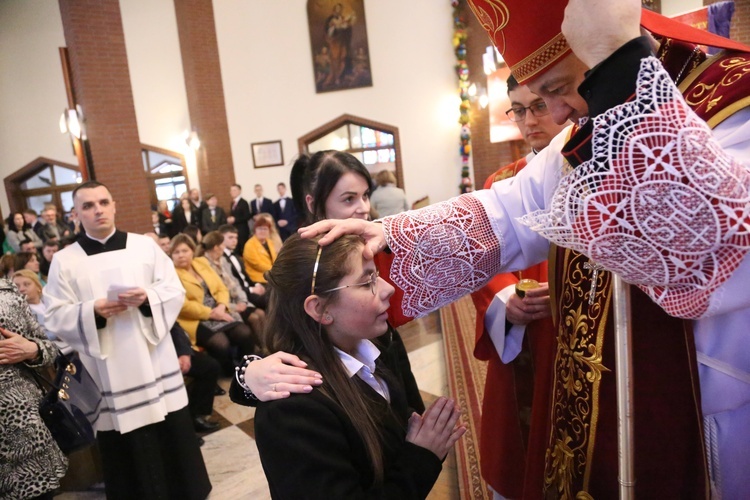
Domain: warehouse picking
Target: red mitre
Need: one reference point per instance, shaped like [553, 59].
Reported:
[526, 32]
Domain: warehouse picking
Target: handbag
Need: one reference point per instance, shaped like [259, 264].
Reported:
[71, 404]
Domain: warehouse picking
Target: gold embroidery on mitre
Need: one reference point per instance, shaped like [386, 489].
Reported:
[577, 376]
[540, 58]
[493, 20]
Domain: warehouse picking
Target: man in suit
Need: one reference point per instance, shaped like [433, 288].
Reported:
[213, 216]
[50, 228]
[260, 204]
[284, 213]
[198, 205]
[239, 214]
[31, 218]
[255, 291]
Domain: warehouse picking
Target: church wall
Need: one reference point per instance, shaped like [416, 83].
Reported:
[270, 94]
[32, 92]
[267, 72]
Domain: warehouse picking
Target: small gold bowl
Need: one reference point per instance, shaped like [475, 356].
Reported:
[525, 284]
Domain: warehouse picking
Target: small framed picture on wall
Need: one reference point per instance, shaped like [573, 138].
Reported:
[267, 154]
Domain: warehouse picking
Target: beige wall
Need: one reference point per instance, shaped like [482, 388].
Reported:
[268, 82]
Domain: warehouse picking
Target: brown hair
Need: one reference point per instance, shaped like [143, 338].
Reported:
[385, 177]
[212, 239]
[23, 258]
[264, 220]
[7, 263]
[289, 328]
[181, 239]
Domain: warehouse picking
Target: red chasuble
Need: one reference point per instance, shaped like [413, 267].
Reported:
[515, 410]
[581, 459]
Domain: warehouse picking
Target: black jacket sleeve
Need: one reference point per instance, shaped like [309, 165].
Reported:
[181, 340]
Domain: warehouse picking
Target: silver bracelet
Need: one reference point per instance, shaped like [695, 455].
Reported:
[239, 374]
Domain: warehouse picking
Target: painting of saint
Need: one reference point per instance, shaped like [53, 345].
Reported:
[338, 37]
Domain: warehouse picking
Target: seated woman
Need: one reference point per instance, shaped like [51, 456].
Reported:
[274, 235]
[354, 437]
[18, 230]
[213, 249]
[30, 261]
[205, 314]
[259, 252]
[29, 286]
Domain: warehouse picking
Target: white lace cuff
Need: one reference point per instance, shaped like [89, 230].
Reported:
[441, 253]
[660, 202]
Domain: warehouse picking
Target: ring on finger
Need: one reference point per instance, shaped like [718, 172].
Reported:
[273, 387]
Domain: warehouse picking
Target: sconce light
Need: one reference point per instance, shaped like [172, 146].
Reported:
[477, 93]
[193, 141]
[491, 60]
[71, 121]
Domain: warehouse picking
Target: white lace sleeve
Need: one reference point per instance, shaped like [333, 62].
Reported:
[441, 253]
[660, 203]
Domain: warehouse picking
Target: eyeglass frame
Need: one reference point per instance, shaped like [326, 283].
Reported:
[372, 282]
[534, 106]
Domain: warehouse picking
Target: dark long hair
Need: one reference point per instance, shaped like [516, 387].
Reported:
[289, 328]
[12, 225]
[317, 175]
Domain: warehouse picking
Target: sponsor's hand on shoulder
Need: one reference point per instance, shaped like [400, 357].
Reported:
[278, 375]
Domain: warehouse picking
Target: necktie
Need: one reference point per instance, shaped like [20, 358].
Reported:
[257, 204]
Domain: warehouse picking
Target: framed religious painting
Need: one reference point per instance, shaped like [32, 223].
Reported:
[338, 38]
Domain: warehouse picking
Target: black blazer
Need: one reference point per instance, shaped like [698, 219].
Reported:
[179, 221]
[242, 216]
[259, 301]
[266, 206]
[310, 449]
[289, 214]
[207, 225]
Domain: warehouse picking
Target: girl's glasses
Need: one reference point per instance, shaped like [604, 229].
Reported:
[372, 282]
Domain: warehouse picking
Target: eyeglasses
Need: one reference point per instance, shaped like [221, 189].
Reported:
[518, 113]
[372, 282]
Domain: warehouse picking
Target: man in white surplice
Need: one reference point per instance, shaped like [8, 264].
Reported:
[113, 296]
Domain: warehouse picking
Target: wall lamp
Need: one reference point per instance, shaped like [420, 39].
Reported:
[193, 141]
[71, 121]
[479, 94]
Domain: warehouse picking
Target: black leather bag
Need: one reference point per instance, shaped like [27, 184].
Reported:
[71, 405]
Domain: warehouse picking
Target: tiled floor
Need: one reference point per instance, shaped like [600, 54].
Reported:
[232, 457]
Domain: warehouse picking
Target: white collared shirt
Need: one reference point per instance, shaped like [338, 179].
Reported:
[362, 364]
[102, 241]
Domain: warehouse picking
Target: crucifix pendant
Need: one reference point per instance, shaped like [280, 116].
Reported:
[594, 268]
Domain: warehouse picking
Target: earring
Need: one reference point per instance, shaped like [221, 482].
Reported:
[328, 317]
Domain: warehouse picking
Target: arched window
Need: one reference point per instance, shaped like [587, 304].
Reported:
[375, 144]
[165, 171]
[40, 182]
